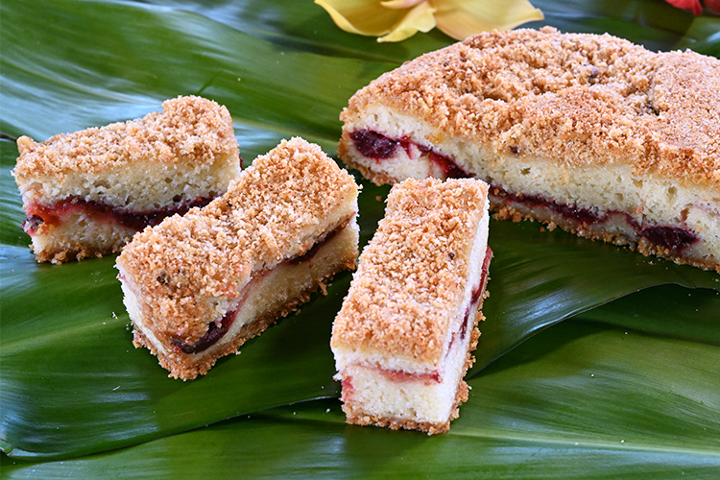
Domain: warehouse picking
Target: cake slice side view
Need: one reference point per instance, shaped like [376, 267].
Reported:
[587, 132]
[404, 337]
[87, 193]
[198, 286]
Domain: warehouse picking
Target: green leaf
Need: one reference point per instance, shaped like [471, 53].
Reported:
[539, 278]
[72, 384]
[580, 400]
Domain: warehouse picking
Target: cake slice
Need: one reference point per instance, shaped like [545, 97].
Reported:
[587, 132]
[198, 286]
[87, 193]
[404, 336]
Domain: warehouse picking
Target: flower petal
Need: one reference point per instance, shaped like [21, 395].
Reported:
[462, 18]
[419, 18]
[713, 5]
[363, 17]
[693, 5]
[400, 3]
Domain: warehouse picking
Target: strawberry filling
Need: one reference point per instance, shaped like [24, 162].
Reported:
[674, 239]
[211, 337]
[38, 215]
[399, 376]
[215, 333]
[477, 294]
[379, 147]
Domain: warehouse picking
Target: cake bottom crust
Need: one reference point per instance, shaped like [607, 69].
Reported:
[77, 238]
[333, 256]
[74, 228]
[190, 371]
[356, 416]
[623, 237]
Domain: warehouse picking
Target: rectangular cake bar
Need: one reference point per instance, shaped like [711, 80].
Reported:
[87, 193]
[198, 286]
[404, 336]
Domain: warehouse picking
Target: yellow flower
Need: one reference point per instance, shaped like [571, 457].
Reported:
[396, 20]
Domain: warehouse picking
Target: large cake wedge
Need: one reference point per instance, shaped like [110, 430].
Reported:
[198, 286]
[87, 193]
[587, 132]
[404, 337]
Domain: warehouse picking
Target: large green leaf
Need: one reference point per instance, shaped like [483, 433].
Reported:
[581, 400]
[72, 384]
[540, 278]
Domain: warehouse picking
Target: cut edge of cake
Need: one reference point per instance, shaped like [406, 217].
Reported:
[86, 193]
[617, 182]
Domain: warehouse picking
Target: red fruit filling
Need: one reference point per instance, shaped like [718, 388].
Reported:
[374, 145]
[674, 239]
[211, 337]
[347, 389]
[571, 212]
[39, 215]
[400, 376]
[466, 324]
[379, 147]
[476, 294]
[215, 333]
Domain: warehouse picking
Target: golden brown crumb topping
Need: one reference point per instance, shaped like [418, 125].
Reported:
[413, 271]
[189, 129]
[572, 98]
[274, 210]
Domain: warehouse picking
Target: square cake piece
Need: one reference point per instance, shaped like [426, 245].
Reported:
[87, 193]
[198, 286]
[404, 336]
[591, 133]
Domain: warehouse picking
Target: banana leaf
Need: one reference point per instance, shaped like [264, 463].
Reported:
[70, 382]
[581, 400]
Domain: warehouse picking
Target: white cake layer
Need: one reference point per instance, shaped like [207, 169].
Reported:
[79, 236]
[650, 199]
[143, 187]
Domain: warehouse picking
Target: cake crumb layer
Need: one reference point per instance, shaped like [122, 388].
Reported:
[189, 129]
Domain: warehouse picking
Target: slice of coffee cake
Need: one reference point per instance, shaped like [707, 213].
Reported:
[404, 336]
[198, 286]
[87, 193]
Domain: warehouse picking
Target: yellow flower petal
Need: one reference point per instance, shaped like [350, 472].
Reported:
[462, 18]
[400, 3]
[419, 18]
[363, 17]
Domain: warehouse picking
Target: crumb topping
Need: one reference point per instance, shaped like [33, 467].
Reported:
[573, 98]
[189, 129]
[272, 211]
[412, 273]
